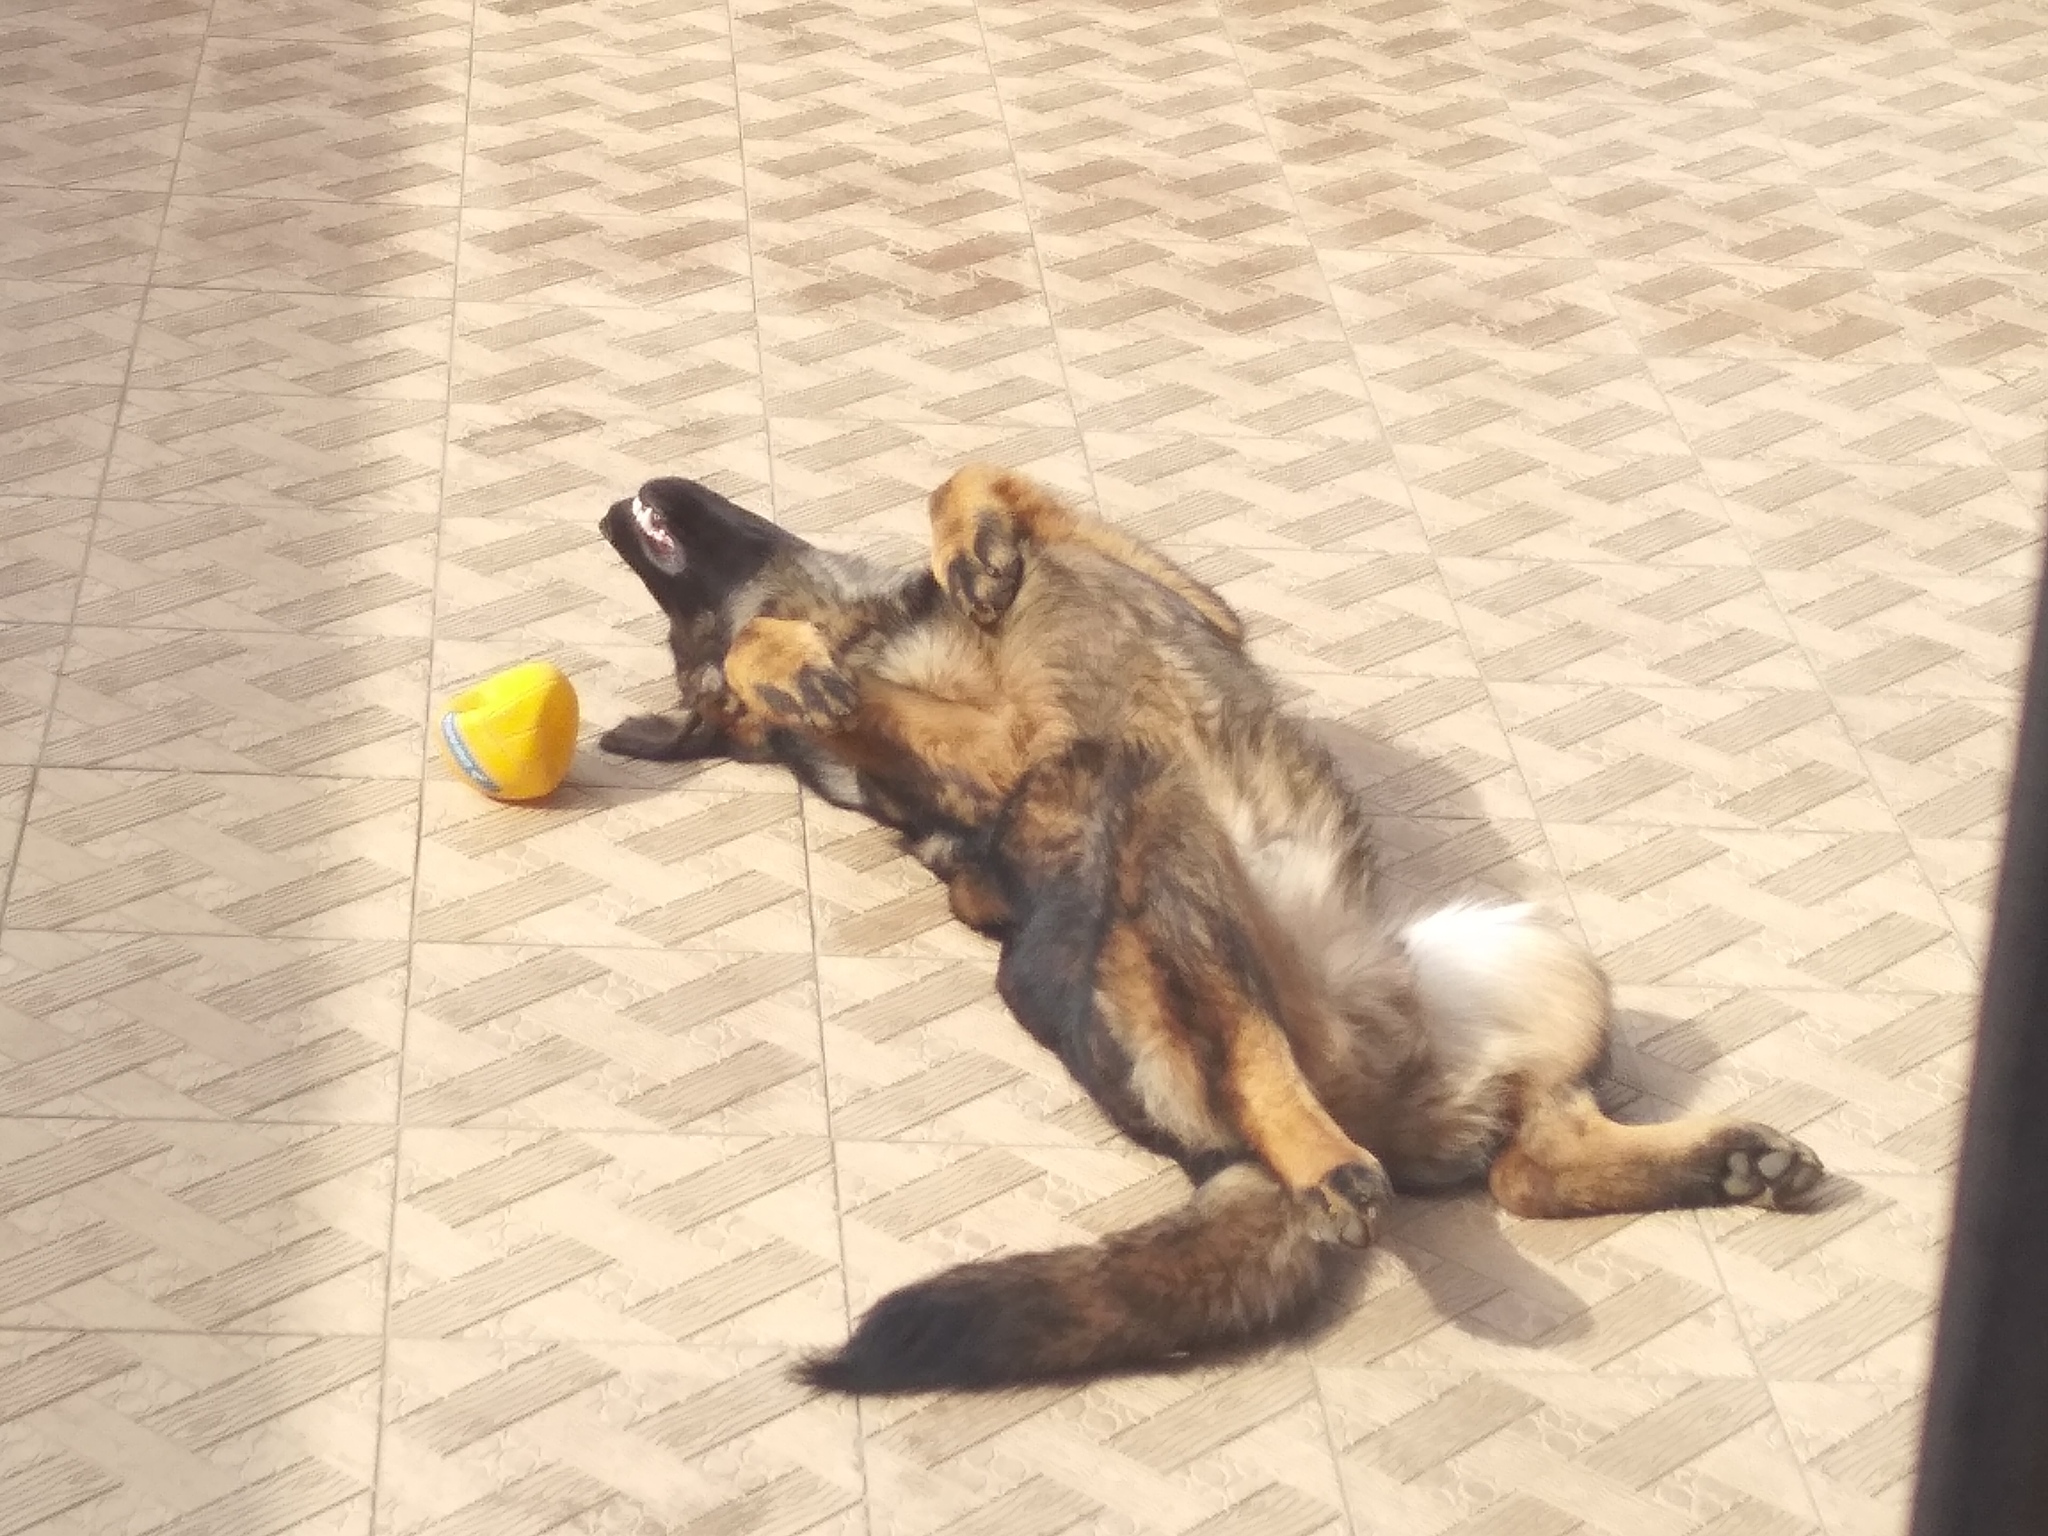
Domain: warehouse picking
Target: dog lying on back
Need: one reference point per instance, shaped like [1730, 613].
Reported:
[1066, 728]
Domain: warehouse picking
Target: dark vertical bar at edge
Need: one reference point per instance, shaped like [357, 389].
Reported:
[1984, 1447]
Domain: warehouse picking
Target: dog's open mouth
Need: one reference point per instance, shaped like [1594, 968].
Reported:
[655, 535]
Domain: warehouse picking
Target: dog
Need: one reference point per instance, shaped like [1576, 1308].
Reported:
[1067, 730]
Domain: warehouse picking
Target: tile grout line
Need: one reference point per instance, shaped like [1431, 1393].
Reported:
[803, 796]
[427, 759]
[1323, 1411]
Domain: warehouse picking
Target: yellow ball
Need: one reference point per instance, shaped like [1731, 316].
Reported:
[512, 736]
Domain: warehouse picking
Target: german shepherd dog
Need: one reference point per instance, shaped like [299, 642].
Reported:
[1066, 728]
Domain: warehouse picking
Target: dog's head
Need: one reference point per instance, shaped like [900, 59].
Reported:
[691, 547]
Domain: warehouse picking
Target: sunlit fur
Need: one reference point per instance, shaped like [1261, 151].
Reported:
[1068, 726]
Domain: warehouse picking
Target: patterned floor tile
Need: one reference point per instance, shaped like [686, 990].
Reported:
[869, 900]
[67, 333]
[113, 851]
[30, 654]
[201, 1028]
[1414, 302]
[921, 1049]
[239, 703]
[176, 1432]
[1949, 636]
[1310, 613]
[103, 54]
[1457, 1451]
[1664, 143]
[1900, 518]
[294, 344]
[1275, 493]
[369, 455]
[698, 869]
[517, 1435]
[1631, 754]
[1848, 1296]
[55, 438]
[42, 550]
[524, 582]
[197, 1228]
[1705, 222]
[533, 1234]
[1226, 1449]
[524, 461]
[1821, 314]
[365, 124]
[1858, 1444]
[76, 236]
[955, 371]
[909, 273]
[662, 28]
[430, 22]
[574, 134]
[197, 567]
[61, 144]
[272, 246]
[539, 1038]
[1421, 48]
[1457, 1286]
[1759, 909]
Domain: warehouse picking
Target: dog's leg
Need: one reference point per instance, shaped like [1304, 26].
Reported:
[1568, 1159]
[982, 520]
[955, 760]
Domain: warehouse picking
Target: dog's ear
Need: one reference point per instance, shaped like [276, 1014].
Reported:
[672, 738]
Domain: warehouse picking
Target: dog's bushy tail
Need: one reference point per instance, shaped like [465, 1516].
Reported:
[1235, 1266]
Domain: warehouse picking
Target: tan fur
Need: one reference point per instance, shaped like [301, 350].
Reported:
[1107, 748]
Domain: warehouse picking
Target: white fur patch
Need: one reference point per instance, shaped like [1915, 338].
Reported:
[1502, 990]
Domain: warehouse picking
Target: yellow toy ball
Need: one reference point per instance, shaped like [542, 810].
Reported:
[513, 735]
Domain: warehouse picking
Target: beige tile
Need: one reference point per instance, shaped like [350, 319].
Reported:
[897, 271]
[366, 124]
[534, 1234]
[1760, 909]
[197, 1228]
[101, 54]
[159, 564]
[55, 438]
[523, 461]
[42, 549]
[680, 29]
[142, 1026]
[1650, 755]
[430, 22]
[67, 333]
[616, 1434]
[162, 1429]
[29, 657]
[1264, 493]
[293, 344]
[239, 703]
[558, 131]
[868, 899]
[1147, 1454]
[539, 1037]
[1457, 1286]
[1476, 1450]
[272, 246]
[381, 456]
[1425, 48]
[1848, 1296]
[921, 1049]
[617, 261]
[124, 851]
[719, 870]
[68, 144]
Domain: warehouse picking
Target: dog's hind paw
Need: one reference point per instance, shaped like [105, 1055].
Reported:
[1763, 1166]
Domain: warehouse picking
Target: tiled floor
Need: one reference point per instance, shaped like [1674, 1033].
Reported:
[1627, 415]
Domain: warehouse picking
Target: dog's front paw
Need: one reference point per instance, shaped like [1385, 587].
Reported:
[782, 671]
[1350, 1205]
[983, 569]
